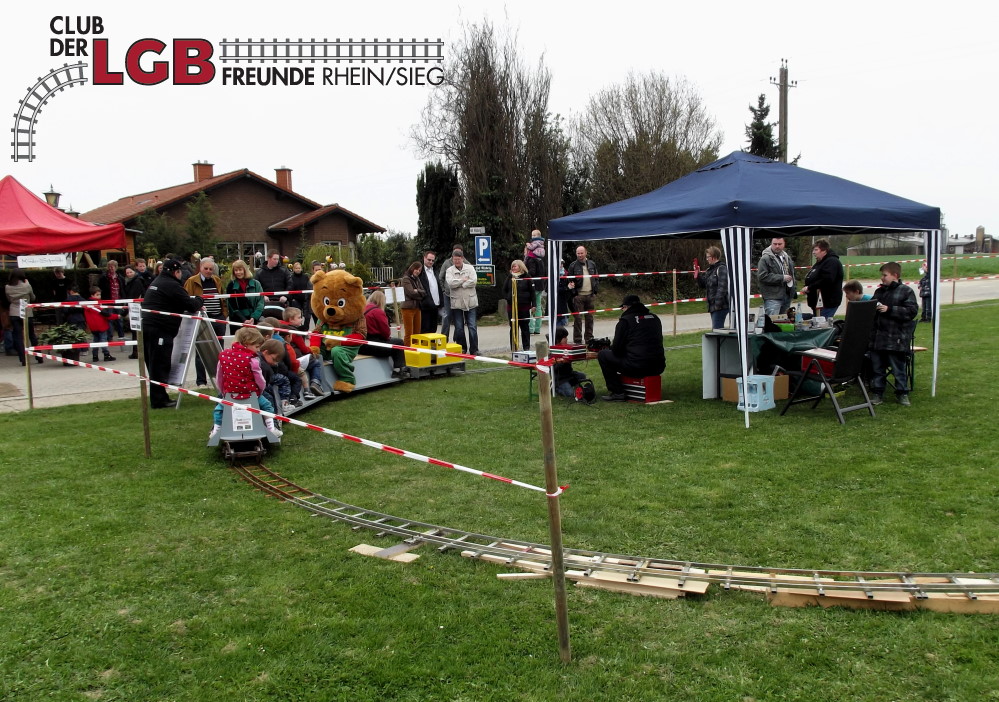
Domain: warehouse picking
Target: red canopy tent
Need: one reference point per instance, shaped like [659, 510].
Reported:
[29, 225]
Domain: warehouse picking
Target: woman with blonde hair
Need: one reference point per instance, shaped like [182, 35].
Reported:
[520, 313]
[244, 309]
[414, 293]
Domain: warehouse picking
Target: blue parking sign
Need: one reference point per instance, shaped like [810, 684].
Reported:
[483, 250]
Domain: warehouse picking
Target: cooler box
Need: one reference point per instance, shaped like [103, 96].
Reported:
[524, 357]
[568, 352]
[433, 342]
[759, 394]
[827, 366]
[648, 389]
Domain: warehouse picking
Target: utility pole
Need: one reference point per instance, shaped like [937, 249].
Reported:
[783, 84]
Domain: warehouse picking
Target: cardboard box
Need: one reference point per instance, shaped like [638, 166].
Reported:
[730, 391]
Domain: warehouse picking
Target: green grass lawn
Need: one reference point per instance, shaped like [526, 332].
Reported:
[965, 265]
[123, 578]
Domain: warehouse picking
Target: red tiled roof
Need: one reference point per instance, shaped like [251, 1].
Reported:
[127, 208]
[306, 218]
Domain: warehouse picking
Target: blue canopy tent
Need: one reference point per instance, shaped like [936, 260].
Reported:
[742, 196]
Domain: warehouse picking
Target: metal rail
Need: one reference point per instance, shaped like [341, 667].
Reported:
[57, 80]
[325, 51]
[917, 585]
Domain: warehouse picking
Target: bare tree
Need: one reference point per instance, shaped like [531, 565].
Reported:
[489, 119]
[642, 134]
[635, 137]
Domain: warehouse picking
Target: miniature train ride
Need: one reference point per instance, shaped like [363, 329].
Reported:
[244, 435]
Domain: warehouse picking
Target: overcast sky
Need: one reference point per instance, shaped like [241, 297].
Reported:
[897, 96]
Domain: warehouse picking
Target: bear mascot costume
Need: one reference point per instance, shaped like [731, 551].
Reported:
[338, 303]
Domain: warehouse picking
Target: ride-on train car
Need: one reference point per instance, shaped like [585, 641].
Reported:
[243, 433]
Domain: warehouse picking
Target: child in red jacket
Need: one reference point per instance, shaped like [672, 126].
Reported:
[310, 366]
[99, 322]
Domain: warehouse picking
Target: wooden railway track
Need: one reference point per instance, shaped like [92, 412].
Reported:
[950, 592]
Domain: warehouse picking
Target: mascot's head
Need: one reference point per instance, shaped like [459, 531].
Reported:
[337, 297]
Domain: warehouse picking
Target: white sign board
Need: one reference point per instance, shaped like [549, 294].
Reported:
[183, 347]
[393, 295]
[43, 261]
[135, 316]
[242, 419]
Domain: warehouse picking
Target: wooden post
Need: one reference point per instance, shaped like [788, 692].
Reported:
[676, 305]
[554, 511]
[513, 314]
[25, 343]
[395, 307]
[144, 394]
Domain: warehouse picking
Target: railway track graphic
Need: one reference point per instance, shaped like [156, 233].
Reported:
[57, 80]
[956, 592]
[337, 51]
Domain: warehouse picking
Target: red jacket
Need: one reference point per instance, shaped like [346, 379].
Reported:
[300, 344]
[377, 321]
[97, 318]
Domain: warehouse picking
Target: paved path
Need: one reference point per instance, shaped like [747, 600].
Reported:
[54, 384]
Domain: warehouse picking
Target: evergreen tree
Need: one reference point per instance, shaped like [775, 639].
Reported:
[200, 227]
[760, 133]
[438, 203]
[158, 235]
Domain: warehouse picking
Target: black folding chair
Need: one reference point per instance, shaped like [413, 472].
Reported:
[847, 362]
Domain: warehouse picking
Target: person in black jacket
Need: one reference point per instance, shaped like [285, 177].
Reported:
[891, 339]
[583, 284]
[165, 294]
[826, 279]
[433, 300]
[715, 279]
[135, 288]
[273, 277]
[637, 350]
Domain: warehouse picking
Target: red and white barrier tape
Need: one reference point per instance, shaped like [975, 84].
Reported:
[94, 345]
[314, 427]
[364, 342]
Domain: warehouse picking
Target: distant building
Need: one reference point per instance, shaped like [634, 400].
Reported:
[253, 214]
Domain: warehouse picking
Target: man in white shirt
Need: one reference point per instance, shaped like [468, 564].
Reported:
[431, 303]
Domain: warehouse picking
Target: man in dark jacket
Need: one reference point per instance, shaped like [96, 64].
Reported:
[637, 350]
[273, 277]
[165, 294]
[891, 340]
[135, 289]
[583, 284]
[825, 279]
[430, 305]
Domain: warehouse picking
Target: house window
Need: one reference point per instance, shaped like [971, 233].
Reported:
[345, 252]
[246, 250]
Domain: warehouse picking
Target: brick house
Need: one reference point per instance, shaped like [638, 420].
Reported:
[253, 214]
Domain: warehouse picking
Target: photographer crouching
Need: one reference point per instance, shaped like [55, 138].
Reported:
[637, 350]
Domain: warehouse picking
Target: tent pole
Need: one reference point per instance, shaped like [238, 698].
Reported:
[675, 303]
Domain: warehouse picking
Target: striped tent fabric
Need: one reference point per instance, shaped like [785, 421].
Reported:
[738, 243]
[554, 255]
[934, 250]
